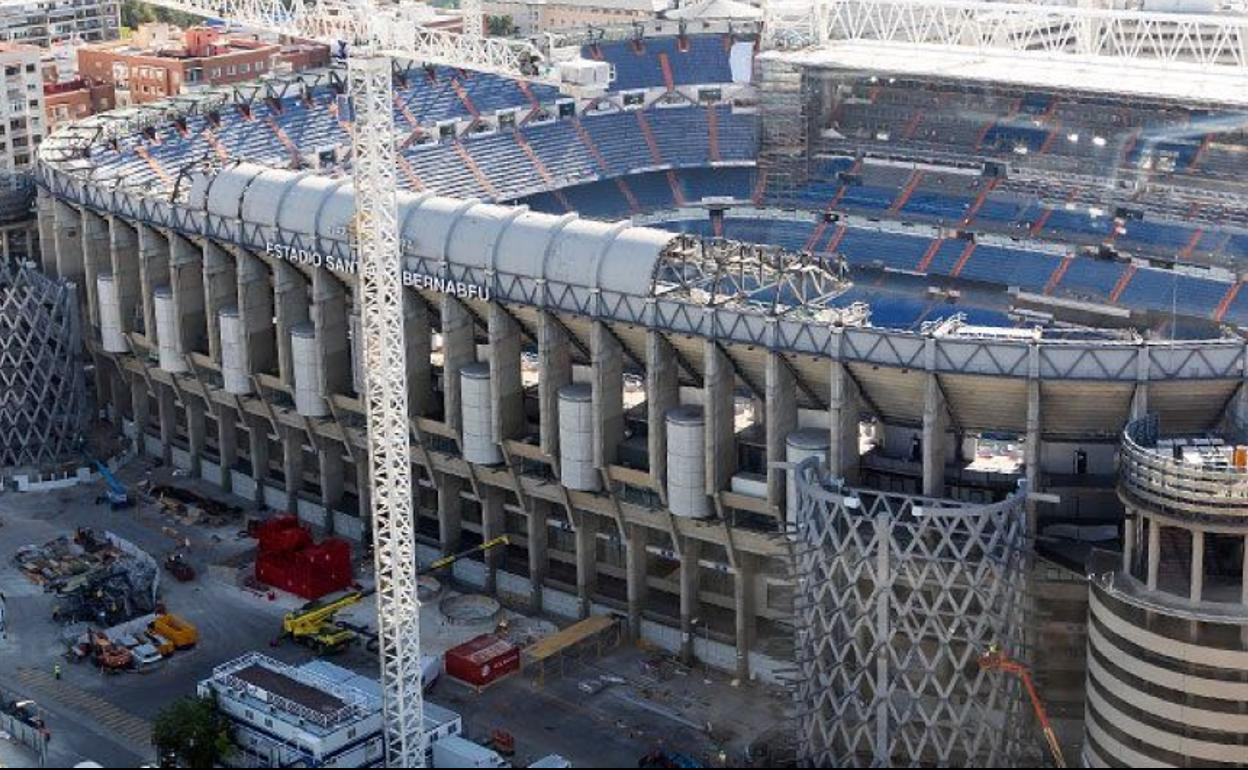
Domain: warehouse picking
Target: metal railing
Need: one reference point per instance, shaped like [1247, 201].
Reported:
[1154, 477]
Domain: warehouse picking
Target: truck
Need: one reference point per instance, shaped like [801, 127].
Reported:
[455, 751]
[175, 629]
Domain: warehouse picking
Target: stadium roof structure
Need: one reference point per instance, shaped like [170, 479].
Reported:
[1195, 57]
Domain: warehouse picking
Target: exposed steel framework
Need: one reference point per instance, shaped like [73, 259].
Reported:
[898, 597]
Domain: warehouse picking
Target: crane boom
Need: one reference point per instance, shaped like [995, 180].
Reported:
[995, 660]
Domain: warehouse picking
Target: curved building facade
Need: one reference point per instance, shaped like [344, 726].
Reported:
[42, 383]
[899, 596]
[1168, 623]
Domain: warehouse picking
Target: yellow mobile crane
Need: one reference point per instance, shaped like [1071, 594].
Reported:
[315, 626]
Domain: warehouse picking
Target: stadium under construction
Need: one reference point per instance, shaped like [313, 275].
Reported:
[984, 267]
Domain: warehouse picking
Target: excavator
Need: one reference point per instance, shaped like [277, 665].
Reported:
[315, 625]
[995, 660]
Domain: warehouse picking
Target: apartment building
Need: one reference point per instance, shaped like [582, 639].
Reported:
[48, 22]
[162, 61]
[532, 16]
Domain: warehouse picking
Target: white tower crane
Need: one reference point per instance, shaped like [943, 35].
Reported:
[374, 35]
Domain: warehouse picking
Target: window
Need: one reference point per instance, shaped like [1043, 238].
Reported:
[232, 70]
[245, 68]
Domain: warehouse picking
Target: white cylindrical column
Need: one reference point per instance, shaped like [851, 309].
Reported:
[686, 462]
[474, 391]
[576, 438]
[167, 331]
[799, 445]
[306, 364]
[233, 347]
[112, 339]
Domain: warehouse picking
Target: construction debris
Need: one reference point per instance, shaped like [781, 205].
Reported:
[190, 507]
[100, 577]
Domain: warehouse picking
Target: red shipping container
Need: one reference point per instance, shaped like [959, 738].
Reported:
[282, 535]
[483, 660]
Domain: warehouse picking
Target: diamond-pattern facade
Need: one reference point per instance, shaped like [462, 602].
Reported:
[897, 599]
[42, 382]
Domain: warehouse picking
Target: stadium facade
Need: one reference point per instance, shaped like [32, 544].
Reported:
[970, 285]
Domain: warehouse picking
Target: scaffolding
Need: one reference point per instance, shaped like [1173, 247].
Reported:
[783, 126]
[897, 598]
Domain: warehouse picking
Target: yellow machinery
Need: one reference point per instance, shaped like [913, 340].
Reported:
[315, 625]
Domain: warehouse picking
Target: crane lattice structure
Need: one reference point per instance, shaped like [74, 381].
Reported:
[373, 35]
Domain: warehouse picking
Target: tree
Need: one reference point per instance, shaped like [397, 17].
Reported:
[192, 732]
[135, 12]
[500, 26]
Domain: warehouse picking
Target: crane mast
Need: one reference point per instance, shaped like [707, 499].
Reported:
[385, 383]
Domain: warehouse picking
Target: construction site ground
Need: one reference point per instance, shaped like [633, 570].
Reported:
[106, 718]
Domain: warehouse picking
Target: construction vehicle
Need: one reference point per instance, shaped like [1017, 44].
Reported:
[106, 654]
[995, 660]
[175, 629]
[315, 626]
[176, 565]
[115, 495]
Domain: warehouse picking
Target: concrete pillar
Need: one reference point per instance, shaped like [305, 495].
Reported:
[450, 513]
[290, 307]
[96, 258]
[220, 290]
[139, 408]
[743, 604]
[554, 365]
[196, 434]
[124, 252]
[227, 443]
[329, 316]
[506, 389]
[258, 447]
[935, 438]
[1031, 451]
[119, 389]
[186, 278]
[1139, 399]
[662, 394]
[780, 408]
[333, 477]
[67, 237]
[539, 556]
[719, 409]
[362, 489]
[1198, 565]
[153, 272]
[168, 415]
[635, 561]
[493, 524]
[1154, 552]
[255, 313]
[459, 348]
[845, 415]
[1128, 541]
[292, 465]
[690, 571]
[46, 212]
[418, 335]
[607, 373]
[586, 561]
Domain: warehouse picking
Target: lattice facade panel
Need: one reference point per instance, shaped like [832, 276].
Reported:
[897, 599]
[42, 383]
